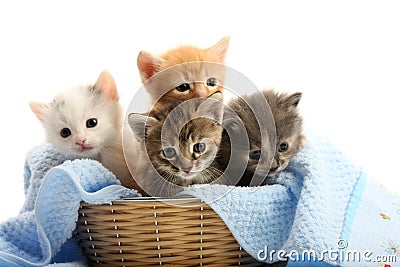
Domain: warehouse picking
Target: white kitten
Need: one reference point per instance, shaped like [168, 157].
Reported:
[87, 122]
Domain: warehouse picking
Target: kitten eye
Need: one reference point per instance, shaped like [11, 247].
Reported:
[65, 132]
[199, 147]
[212, 82]
[169, 152]
[90, 123]
[283, 147]
[255, 154]
[183, 87]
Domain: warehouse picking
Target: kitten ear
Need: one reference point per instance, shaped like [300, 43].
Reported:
[138, 123]
[293, 100]
[38, 109]
[106, 84]
[148, 65]
[230, 118]
[213, 107]
[220, 49]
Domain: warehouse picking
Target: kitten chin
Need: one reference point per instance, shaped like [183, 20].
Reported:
[268, 151]
[178, 144]
[184, 72]
[87, 122]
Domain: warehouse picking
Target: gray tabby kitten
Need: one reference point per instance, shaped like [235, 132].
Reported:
[179, 142]
[273, 155]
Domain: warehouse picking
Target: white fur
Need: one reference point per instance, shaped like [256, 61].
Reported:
[79, 106]
[72, 108]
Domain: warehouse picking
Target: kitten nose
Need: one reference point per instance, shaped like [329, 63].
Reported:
[187, 169]
[275, 165]
[273, 169]
[201, 91]
[80, 141]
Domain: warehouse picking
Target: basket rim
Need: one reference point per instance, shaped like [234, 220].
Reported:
[150, 199]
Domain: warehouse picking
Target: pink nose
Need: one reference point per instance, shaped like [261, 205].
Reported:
[200, 91]
[80, 141]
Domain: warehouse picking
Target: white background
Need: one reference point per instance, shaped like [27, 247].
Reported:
[343, 55]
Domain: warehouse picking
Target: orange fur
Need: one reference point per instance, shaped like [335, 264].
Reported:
[205, 63]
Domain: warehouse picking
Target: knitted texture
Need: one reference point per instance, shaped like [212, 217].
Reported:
[329, 181]
[38, 162]
[306, 208]
[41, 233]
[319, 199]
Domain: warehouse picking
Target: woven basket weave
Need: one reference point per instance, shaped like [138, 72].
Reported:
[148, 231]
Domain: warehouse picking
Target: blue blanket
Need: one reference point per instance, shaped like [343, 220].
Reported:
[41, 233]
[321, 208]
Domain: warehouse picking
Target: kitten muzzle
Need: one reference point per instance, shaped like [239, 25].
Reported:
[86, 148]
[200, 90]
[82, 145]
[275, 165]
[187, 169]
[188, 172]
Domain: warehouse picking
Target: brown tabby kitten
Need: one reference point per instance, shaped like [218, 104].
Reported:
[197, 72]
[180, 141]
[262, 158]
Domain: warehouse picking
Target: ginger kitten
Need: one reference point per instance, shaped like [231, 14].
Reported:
[87, 122]
[184, 72]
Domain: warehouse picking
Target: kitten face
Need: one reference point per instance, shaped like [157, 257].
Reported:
[290, 138]
[184, 161]
[203, 77]
[81, 121]
[182, 141]
[279, 145]
[258, 153]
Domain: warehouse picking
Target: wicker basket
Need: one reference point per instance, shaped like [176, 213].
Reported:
[149, 231]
